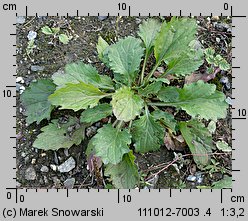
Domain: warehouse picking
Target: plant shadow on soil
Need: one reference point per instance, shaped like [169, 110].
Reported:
[52, 57]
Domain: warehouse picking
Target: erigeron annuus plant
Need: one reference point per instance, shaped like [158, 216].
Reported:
[134, 97]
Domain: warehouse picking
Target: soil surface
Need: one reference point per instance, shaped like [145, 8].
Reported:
[37, 168]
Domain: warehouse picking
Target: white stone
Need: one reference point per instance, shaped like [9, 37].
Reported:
[67, 166]
[19, 80]
[53, 167]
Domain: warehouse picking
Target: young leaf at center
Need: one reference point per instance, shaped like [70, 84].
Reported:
[63, 38]
[126, 105]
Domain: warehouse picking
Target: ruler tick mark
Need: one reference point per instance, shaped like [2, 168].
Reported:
[221, 196]
[118, 196]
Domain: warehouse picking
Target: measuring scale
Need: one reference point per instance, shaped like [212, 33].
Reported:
[156, 204]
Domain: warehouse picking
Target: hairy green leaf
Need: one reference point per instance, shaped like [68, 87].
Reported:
[148, 31]
[223, 146]
[223, 65]
[80, 72]
[126, 105]
[55, 30]
[147, 134]
[187, 61]
[196, 99]
[102, 45]
[199, 140]
[212, 126]
[151, 89]
[226, 182]
[92, 115]
[58, 135]
[35, 100]
[111, 144]
[166, 118]
[124, 175]
[63, 38]
[209, 53]
[76, 96]
[174, 38]
[46, 30]
[125, 57]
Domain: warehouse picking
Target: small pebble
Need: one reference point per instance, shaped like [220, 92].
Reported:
[90, 131]
[69, 183]
[138, 21]
[45, 179]
[217, 40]
[37, 68]
[66, 152]
[44, 169]
[30, 173]
[191, 178]
[19, 80]
[22, 89]
[221, 26]
[23, 154]
[53, 167]
[20, 19]
[18, 184]
[18, 137]
[43, 154]
[98, 124]
[215, 18]
[199, 180]
[102, 18]
[67, 166]
[224, 80]
[31, 35]
[229, 100]
[18, 87]
[56, 160]
[228, 86]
